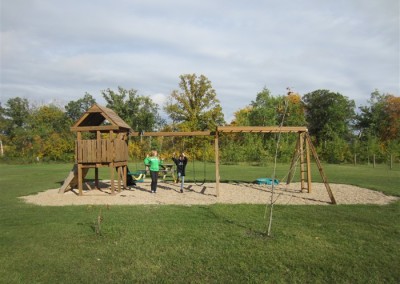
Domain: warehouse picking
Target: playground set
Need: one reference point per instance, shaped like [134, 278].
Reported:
[110, 149]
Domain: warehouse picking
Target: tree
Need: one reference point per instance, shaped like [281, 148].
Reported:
[379, 124]
[329, 115]
[140, 112]
[241, 117]
[50, 133]
[15, 117]
[264, 109]
[295, 110]
[75, 109]
[16, 114]
[195, 106]
[392, 111]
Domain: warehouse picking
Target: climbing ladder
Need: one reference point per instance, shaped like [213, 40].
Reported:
[305, 165]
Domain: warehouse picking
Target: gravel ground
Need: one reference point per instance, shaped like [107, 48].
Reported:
[230, 193]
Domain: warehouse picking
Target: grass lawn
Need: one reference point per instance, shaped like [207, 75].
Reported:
[198, 244]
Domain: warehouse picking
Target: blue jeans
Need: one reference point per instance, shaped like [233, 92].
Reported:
[182, 180]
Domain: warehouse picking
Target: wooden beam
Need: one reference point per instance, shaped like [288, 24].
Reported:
[321, 171]
[158, 134]
[216, 145]
[261, 129]
[94, 128]
[309, 183]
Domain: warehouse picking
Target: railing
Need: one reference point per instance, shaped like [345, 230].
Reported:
[101, 151]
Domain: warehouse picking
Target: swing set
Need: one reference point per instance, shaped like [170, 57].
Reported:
[304, 149]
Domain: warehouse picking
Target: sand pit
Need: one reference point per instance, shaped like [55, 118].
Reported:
[168, 193]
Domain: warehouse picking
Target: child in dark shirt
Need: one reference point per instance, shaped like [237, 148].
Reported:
[180, 163]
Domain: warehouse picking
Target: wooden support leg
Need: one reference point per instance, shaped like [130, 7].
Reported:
[80, 179]
[321, 171]
[308, 167]
[119, 179]
[112, 169]
[216, 163]
[302, 170]
[125, 174]
[96, 177]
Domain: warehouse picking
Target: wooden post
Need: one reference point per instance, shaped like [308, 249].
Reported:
[80, 179]
[119, 178]
[111, 155]
[96, 177]
[112, 169]
[216, 162]
[373, 160]
[302, 162]
[321, 171]
[308, 166]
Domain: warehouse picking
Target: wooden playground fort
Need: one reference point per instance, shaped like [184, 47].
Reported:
[109, 148]
[112, 151]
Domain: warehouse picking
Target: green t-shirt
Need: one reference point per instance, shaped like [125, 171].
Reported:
[153, 162]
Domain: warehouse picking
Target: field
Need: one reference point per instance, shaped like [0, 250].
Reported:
[199, 244]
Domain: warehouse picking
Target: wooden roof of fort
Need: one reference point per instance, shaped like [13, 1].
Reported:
[100, 118]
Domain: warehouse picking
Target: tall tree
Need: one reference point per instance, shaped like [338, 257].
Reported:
[380, 118]
[140, 112]
[195, 106]
[52, 139]
[16, 113]
[264, 109]
[15, 126]
[392, 110]
[328, 114]
[295, 111]
[75, 109]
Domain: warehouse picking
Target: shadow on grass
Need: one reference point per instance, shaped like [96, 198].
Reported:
[248, 231]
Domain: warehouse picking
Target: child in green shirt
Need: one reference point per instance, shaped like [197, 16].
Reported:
[153, 162]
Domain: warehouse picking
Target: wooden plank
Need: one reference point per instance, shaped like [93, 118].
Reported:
[80, 179]
[96, 177]
[119, 178]
[98, 150]
[104, 151]
[309, 183]
[302, 162]
[321, 171]
[69, 179]
[93, 154]
[217, 177]
[112, 169]
[261, 129]
[179, 134]
[94, 128]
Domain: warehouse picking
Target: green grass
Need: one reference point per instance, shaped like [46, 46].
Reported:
[198, 244]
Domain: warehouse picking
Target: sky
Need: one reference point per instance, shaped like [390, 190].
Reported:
[54, 51]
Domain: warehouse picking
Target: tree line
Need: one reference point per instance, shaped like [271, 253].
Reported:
[339, 131]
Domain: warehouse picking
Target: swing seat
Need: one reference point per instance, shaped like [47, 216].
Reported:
[267, 181]
[138, 176]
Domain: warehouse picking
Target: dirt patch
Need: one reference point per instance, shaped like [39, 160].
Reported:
[230, 193]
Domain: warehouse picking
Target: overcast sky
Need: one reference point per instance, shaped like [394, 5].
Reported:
[55, 51]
